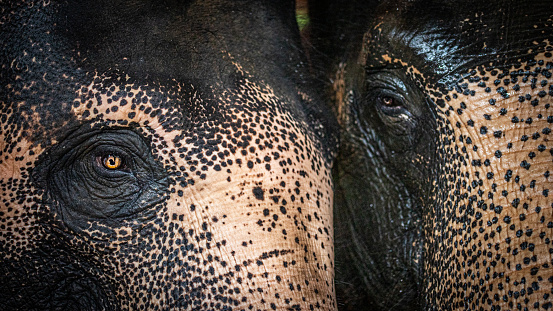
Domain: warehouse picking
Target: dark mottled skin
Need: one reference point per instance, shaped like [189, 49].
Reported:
[160, 155]
[443, 185]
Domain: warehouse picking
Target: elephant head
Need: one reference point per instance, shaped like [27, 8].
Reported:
[161, 155]
[443, 178]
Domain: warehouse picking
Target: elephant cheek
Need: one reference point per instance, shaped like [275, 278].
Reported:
[492, 227]
[273, 233]
[251, 239]
[19, 230]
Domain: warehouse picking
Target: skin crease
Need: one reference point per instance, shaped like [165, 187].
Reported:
[443, 179]
[161, 156]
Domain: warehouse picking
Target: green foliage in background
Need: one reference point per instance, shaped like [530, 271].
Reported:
[302, 18]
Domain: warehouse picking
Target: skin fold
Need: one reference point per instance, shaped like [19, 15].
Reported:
[443, 186]
[161, 155]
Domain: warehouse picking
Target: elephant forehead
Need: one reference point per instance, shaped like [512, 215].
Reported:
[443, 40]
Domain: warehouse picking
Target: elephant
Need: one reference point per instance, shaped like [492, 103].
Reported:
[443, 176]
[162, 155]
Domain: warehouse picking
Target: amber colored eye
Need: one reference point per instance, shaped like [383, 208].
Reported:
[112, 162]
[388, 101]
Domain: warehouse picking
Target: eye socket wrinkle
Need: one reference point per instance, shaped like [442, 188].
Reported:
[389, 102]
[393, 108]
[102, 175]
[393, 100]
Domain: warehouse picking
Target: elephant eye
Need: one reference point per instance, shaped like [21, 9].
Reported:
[387, 101]
[105, 175]
[391, 106]
[112, 162]
[392, 109]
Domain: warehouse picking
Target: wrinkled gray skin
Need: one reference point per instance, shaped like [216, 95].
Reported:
[443, 179]
[161, 155]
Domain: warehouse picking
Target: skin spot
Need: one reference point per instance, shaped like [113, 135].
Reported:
[258, 193]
